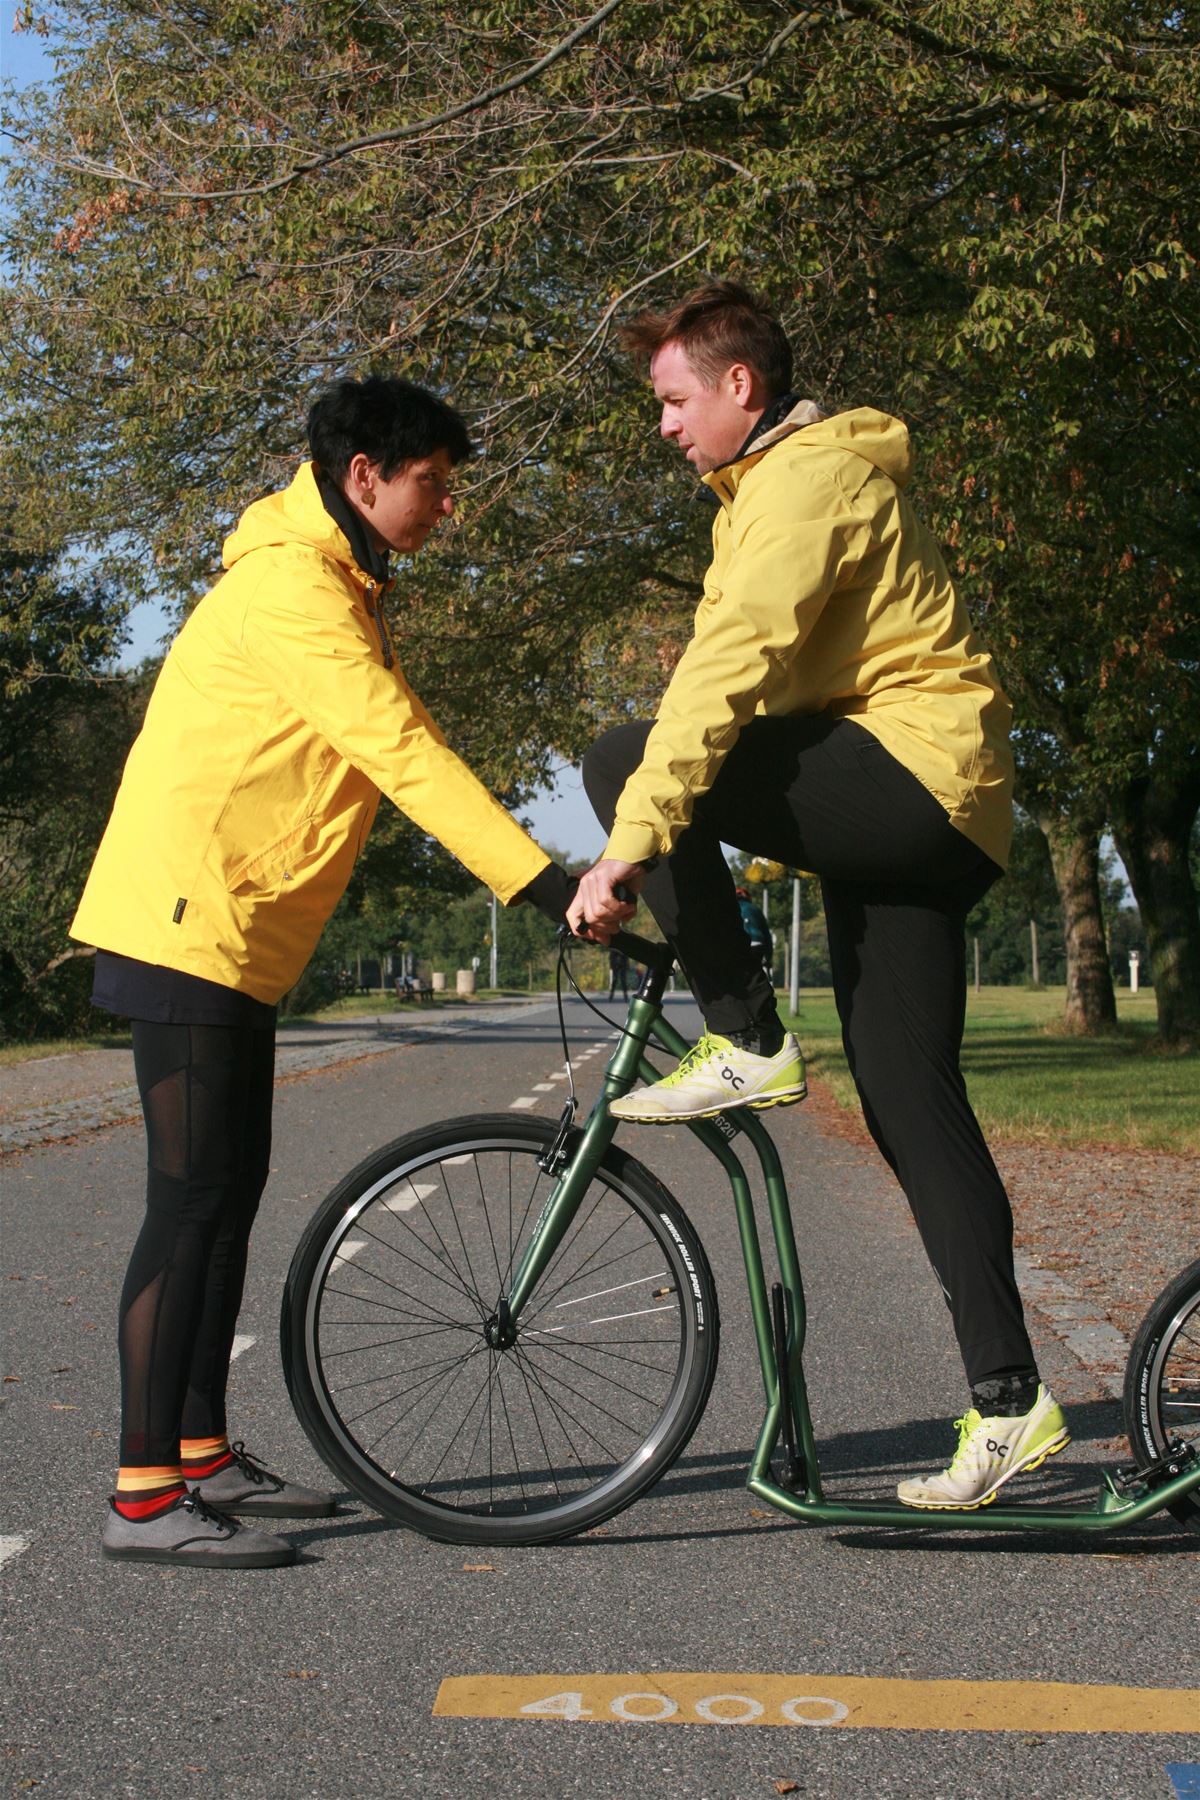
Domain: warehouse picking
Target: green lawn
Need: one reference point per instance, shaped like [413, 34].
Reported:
[1028, 1080]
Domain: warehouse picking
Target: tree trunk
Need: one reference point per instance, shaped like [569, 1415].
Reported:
[1075, 858]
[1152, 822]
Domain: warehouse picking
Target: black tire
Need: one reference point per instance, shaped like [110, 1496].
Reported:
[391, 1374]
[1162, 1380]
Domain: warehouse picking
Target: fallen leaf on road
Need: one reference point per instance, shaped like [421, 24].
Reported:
[302, 1674]
[787, 1787]
[62, 1406]
[479, 1568]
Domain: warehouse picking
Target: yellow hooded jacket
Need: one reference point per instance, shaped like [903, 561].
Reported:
[826, 594]
[272, 730]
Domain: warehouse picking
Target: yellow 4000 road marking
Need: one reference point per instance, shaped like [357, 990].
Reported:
[820, 1700]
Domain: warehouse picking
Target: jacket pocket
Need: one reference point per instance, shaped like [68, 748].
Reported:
[273, 864]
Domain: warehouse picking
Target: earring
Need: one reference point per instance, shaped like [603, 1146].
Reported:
[368, 497]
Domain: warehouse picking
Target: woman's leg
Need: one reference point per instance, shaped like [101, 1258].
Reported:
[204, 1401]
[203, 1100]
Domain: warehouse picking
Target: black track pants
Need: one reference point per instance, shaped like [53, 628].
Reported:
[206, 1095]
[898, 881]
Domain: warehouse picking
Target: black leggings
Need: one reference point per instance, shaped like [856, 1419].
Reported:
[897, 880]
[206, 1095]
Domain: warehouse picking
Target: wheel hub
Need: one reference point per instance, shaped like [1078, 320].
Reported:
[501, 1330]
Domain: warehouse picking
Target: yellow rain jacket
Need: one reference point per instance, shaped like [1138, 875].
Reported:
[826, 594]
[272, 730]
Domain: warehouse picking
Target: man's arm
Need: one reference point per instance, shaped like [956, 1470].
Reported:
[793, 543]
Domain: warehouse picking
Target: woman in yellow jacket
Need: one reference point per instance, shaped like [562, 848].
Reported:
[279, 717]
[833, 711]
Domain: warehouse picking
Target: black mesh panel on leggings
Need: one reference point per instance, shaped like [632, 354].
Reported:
[206, 1097]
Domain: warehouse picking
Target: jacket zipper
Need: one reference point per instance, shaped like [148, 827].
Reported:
[374, 595]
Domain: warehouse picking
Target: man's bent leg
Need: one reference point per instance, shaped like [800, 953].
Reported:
[691, 895]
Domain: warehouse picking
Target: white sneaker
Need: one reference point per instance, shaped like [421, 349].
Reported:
[990, 1452]
[715, 1077]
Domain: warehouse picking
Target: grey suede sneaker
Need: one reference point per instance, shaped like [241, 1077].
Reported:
[245, 1486]
[192, 1534]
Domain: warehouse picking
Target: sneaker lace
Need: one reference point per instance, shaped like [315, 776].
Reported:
[250, 1466]
[965, 1428]
[701, 1050]
[205, 1514]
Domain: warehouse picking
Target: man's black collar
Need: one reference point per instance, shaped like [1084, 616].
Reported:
[775, 414]
[371, 561]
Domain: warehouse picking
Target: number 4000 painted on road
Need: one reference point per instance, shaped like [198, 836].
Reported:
[714, 1709]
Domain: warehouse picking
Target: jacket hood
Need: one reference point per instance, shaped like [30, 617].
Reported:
[875, 436]
[296, 515]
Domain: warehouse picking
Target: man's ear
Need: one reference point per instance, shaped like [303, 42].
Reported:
[743, 384]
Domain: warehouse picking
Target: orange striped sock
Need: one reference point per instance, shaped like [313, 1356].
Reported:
[143, 1493]
[202, 1457]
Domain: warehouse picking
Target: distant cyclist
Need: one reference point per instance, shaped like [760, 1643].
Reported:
[833, 711]
[754, 924]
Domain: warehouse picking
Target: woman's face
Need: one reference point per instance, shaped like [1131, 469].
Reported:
[412, 502]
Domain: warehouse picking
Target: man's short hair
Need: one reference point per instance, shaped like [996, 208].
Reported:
[715, 326]
[392, 422]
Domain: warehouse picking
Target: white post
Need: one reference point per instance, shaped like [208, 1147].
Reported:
[494, 983]
[1037, 974]
[975, 941]
[794, 993]
[1134, 961]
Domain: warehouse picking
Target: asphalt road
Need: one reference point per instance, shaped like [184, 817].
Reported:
[321, 1680]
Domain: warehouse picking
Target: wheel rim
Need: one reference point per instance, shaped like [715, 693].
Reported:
[1173, 1378]
[403, 1303]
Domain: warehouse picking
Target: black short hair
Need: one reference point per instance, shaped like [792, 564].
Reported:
[392, 422]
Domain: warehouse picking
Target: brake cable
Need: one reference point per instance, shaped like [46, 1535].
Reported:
[555, 1156]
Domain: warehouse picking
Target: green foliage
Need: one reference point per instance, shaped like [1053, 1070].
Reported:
[984, 220]
[1030, 1082]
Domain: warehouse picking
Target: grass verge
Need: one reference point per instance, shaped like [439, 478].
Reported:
[1031, 1082]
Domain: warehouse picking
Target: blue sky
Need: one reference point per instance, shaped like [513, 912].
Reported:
[22, 53]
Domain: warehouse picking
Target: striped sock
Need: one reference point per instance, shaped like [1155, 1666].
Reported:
[202, 1457]
[143, 1493]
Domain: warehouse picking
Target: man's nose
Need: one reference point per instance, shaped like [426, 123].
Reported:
[447, 504]
[668, 426]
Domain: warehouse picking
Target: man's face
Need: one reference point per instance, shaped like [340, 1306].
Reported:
[412, 503]
[710, 424]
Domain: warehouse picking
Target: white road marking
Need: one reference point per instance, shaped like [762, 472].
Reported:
[600, 1292]
[450, 1162]
[614, 1318]
[241, 1343]
[525, 1101]
[559, 1075]
[543, 1087]
[13, 1546]
[416, 1192]
[350, 1248]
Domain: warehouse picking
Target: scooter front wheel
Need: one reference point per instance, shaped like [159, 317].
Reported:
[412, 1392]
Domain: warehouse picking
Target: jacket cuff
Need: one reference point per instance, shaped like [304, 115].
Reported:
[513, 891]
[551, 891]
[633, 843]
